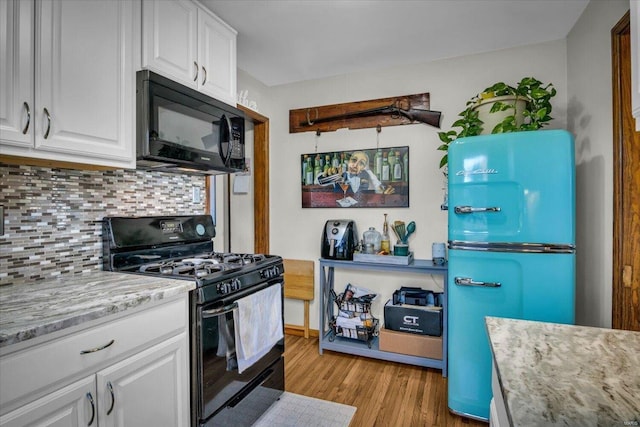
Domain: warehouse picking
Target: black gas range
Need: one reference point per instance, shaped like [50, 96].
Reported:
[181, 247]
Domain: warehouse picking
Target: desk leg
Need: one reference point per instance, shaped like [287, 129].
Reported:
[323, 299]
[326, 307]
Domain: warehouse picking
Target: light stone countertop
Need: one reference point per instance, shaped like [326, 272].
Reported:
[31, 310]
[552, 374]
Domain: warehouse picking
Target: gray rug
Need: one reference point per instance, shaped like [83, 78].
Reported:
[294, 410]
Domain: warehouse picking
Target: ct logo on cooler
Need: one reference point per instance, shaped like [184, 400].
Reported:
[410, 320]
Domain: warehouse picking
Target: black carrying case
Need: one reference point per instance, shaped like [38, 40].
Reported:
[409, 295]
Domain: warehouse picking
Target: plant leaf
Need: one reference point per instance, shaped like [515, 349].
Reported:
[444, 160]
[541, 113]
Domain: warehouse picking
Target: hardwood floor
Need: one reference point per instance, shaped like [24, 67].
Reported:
[385, 393]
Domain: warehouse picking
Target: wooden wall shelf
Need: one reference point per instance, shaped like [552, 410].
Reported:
[311, 119]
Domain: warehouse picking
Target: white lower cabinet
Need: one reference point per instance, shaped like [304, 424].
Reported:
[117, 385]
[498, 410]
[73, 405]
[148, 389]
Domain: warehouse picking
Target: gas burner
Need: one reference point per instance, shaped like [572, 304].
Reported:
[241, 259]
[198, 261]
[184, 270]
[158, 267]
[207, 269]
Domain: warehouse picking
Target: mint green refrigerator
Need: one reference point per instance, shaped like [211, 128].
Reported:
[511, 232]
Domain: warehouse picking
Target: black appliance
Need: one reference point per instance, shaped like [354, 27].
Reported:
[339, 239]
[179, 129]
[181, 247]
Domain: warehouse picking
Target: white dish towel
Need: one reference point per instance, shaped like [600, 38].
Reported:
[258, 322]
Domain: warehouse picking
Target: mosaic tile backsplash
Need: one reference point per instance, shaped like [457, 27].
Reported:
[52, 221]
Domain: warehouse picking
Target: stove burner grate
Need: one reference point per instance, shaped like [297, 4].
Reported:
[202, 265]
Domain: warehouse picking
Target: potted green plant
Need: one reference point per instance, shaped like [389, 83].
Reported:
[502, 108]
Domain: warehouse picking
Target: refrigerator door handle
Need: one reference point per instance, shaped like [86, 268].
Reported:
[471, 209]
[468, 281]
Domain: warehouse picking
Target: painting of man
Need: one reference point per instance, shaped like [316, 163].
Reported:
[362, 178]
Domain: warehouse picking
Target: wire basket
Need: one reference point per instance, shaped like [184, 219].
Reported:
[353, 308]
[352, 305]
[360, 333]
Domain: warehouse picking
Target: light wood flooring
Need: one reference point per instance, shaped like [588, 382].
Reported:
[385, 393]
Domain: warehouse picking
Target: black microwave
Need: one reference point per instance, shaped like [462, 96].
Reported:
[179, 129]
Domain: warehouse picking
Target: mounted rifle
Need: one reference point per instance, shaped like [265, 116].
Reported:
[429, 117]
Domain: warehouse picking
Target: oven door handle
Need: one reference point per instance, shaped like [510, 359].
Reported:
[219, 311]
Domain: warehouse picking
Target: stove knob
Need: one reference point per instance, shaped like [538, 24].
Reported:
[223, 288]
[235, 285]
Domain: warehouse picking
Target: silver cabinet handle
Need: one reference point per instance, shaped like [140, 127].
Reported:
[195, 78]
[93, 350]
[46, 113]
[468, 281]
[26, 127]
[113, 397]
[470, 209]
[204, 80]
[93, 408]
[219, 311]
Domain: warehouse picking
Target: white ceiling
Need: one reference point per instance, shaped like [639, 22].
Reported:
[284, 41]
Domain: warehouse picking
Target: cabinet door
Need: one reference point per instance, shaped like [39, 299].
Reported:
[16, 72]
[217, 55]
[148, 389]
[85, 80]
[169, 39]
[71, 406]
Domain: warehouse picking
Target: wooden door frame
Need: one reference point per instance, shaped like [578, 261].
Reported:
[618, 149]
[260, 181]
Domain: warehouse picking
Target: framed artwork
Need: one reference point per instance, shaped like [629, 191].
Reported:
[369, 178]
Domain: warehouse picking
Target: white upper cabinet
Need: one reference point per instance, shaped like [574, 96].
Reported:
[169, 39]
[185, 42]
[635, 61]
[217, 54]
[16, 73]
[71, 91]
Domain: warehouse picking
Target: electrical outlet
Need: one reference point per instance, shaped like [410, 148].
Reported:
[195, 195]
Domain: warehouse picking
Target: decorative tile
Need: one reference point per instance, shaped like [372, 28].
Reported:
[53, 216]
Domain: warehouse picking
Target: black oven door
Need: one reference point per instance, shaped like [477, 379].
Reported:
[221, 388]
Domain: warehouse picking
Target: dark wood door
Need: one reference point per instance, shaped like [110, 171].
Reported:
[626, 187]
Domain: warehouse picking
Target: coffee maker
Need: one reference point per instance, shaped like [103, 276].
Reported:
[339, 239]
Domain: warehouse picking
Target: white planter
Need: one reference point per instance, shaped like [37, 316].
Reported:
[490, 120]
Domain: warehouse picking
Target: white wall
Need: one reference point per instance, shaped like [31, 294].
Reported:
[590, 119]
[579, 67]
[296, 232]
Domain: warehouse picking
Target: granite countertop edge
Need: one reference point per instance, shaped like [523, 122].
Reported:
[558, 374]
[32, 310]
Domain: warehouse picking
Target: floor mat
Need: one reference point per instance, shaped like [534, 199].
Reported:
[294, 410]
